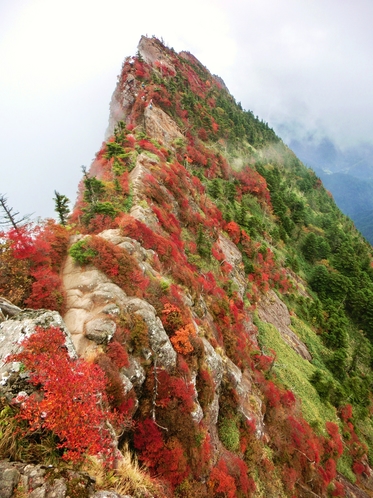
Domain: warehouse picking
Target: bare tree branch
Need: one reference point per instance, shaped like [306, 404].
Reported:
[9, 216]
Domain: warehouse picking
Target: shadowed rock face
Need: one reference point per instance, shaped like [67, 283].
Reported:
[160, 126]
[272, 310]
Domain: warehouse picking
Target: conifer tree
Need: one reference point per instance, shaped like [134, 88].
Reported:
[61, 207]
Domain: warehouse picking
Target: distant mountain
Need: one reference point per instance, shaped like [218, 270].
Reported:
[347, 174]
[354, 197]
[324, 154]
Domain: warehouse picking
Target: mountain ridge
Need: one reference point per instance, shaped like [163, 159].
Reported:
[208, 276]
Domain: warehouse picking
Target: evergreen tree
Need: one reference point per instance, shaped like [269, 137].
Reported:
[61, 207]
[203, 244]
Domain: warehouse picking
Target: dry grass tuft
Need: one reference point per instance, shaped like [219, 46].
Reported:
[127, 479]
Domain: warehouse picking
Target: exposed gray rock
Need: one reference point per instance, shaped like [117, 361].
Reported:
[272, 310]
[39, 493]
[9, 479]
[35, 476]
[214, 362]
[111, 309]
[100, 330]
[249, 400]
[232, 372]
[214, 410]
[35, 481]
[197, 413]
[57, 489]
[135, 373]
[234, 258]
[158, 339]
[107, 292]
[109, 494]
[7, 308]
[127, 384]
[150, 51]
[159, 125]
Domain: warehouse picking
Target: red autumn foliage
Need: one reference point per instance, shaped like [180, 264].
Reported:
[252, 182]
[164, 459]
[73, 406]
[117, 353]
[149, 442]
[43, 249]
[196, 156]
[234, 231]
[339, 489]
[237, 469]
[334, 446]
[175, 392]
[145, 144]
[46, 290]
[272, 394]
[202, 134]
[119, 265]
[328, 471]
[221, 481]
[345, 412]
[359, 468]
[289, 477]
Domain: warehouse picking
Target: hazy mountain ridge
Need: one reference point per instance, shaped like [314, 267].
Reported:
[209, 280]
[347, 174]
[354, 197]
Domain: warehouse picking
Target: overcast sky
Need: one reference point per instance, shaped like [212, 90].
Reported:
[301, 65]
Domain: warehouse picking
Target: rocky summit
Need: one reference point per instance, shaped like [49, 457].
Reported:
[201, 323]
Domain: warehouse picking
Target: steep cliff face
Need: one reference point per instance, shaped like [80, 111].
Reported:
[179, 289]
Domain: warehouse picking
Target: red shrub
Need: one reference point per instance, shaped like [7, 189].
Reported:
[233, 231]
[289, 477]
[345, 413]
[46, 291]
[117, 354]
[328, 471]
[338, 490]
[73, 406]
[221, 481]
[118, 265]
[164, 459]
[358, 468]
[174, 392]
[149, 442]
[44, 248]
[272, 394]
[335, 445]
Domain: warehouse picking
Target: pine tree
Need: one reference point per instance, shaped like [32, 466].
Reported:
[61, 207]
[203, 244]
[93, 188]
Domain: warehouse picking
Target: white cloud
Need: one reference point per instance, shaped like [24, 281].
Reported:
[305, 64]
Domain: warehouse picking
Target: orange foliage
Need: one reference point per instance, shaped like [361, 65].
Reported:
[181, 339]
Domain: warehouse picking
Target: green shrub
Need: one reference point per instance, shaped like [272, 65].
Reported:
[81, 252]
[229, 434]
